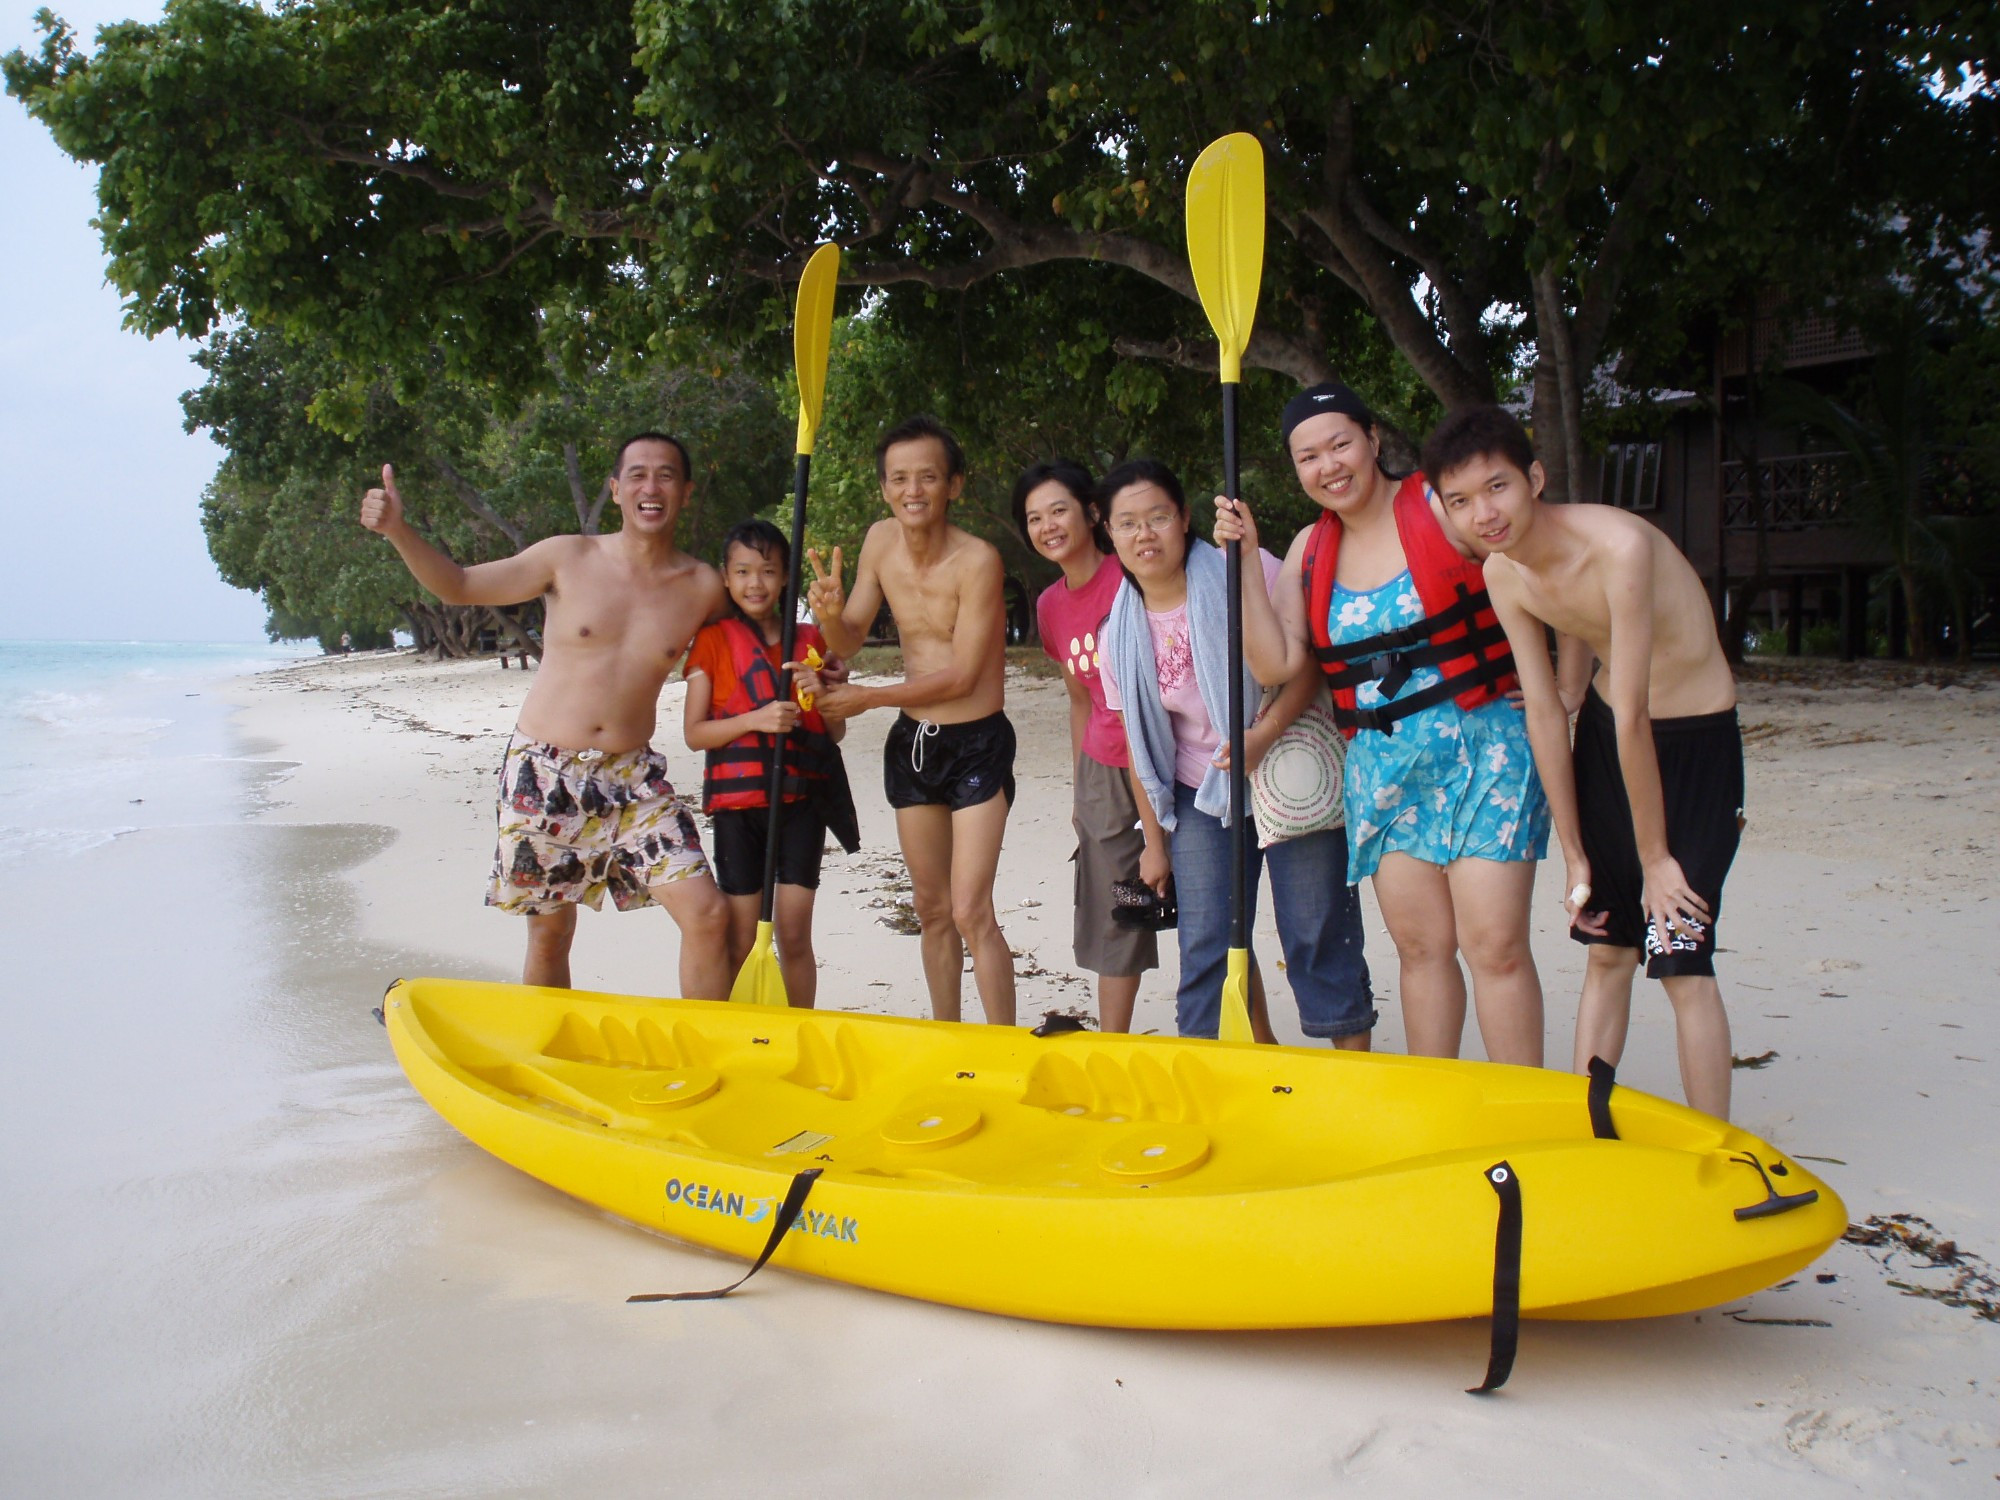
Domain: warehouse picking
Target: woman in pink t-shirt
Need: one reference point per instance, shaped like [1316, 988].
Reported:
[1053, 509]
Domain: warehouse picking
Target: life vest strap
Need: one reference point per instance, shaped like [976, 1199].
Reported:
[1392, 668]
[1463, 610]
[1383, 718]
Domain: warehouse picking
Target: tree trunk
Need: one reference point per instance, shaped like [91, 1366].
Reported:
[511, 627]
[1917, 624]
[1558, 390]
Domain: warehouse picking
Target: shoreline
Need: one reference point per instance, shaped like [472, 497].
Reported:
[263, 1259]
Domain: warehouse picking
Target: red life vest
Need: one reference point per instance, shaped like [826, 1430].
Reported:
[738, 775]
[1459, 633]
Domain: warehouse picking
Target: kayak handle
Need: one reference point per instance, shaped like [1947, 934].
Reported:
[1774, 1202]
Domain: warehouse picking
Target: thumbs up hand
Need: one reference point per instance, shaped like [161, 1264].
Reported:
[382, 509]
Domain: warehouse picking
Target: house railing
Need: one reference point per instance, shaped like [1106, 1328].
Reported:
[1797, 490]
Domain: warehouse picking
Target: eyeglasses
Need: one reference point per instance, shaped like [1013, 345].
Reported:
[1159, 522]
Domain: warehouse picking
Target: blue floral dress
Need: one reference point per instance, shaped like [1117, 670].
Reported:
[1450, 783]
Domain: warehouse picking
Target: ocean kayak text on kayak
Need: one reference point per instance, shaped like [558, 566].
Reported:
[705, 1199]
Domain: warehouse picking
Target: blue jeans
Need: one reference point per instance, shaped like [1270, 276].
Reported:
[1319, 923]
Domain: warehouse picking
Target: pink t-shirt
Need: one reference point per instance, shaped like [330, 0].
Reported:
[1196, 738]
[1071, 622]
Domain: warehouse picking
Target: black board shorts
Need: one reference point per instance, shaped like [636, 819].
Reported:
[1701, 781]
[739, 847]
[953, 765]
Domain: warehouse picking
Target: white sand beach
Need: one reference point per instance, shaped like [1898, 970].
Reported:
[246, 1259]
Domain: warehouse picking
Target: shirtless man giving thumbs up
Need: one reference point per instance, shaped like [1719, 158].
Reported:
[585, 805]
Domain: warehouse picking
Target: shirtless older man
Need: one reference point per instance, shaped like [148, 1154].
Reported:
[585, 804]
[1648, 804]
[948, 764]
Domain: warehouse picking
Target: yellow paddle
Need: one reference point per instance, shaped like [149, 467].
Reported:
[1225, 232]
[760, 981]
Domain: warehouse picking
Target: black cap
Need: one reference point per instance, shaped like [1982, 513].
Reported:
[1318, 400]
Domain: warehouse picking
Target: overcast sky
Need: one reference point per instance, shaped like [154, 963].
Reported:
[101, 501]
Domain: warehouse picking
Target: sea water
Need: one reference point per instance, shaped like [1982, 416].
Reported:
[101, 738]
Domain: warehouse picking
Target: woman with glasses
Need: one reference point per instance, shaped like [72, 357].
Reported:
[1444, 809]
[1057, 516]
[1167, 666]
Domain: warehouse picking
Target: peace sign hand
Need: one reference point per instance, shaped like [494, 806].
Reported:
[382, 509]
[824, 595]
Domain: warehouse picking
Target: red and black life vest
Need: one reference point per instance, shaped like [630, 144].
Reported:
[738, 775]
[1459, 633]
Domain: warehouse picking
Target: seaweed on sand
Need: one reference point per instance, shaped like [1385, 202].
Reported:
[1973, 1285]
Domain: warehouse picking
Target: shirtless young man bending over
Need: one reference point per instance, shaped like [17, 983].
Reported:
[585, 805]
[1648, 805]
[948, 764]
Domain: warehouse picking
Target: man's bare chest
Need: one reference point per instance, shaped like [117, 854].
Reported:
[1572, 603]
[617, 615]
[923, 603]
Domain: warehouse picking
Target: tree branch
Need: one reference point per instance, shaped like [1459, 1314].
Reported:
[1598, 297]
[1384, 290]
[1265, 351]
[475, 502]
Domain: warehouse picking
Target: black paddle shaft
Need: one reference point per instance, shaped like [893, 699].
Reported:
[1239, 845]
[774, 799]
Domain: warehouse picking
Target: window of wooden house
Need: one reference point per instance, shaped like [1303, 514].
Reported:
[1629, 476]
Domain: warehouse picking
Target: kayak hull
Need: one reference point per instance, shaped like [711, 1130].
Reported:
[1139, 1182]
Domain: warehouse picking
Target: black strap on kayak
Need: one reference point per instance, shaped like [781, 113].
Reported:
[1602, 1077]
[788, 1215]
[1506, 1280]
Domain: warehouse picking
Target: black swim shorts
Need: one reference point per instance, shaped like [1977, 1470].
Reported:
[740, 833]
[955, 765]
[1701, 780]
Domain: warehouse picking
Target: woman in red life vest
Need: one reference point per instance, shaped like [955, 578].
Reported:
[1444, 809]
[1058, 518]
[732, 712]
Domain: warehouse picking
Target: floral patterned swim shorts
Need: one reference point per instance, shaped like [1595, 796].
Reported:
[575, 823]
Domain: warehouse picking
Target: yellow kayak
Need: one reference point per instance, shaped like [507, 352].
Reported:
[1128, 1181]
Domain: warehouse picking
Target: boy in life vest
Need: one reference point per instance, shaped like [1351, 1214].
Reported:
[1648, 802]
[733, 713]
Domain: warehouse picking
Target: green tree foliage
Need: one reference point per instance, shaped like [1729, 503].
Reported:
[304, 437]
[1516, 189]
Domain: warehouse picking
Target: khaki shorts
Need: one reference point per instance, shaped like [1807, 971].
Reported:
[1108, 846]
[576, 823]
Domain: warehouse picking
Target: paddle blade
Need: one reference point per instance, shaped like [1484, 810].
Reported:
[1235, 1025]
[1225, 232]
[760, 981]
[812, 335]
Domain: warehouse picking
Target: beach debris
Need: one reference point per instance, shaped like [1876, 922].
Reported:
[1028, 965]
[1973, 1284]
[1056, 1022]
[1738, 1315]
[1760, 1060]
[898, 915]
